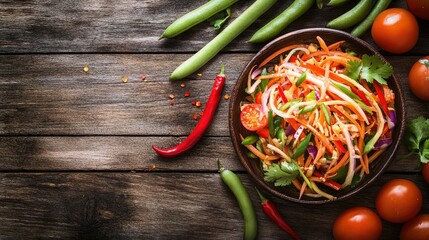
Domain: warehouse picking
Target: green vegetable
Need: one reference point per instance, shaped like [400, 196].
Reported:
[302, 146]
[370, 68]
[367, 23]
[353, 16]
[319, 4]
[417, 138]
[290, 104]
[334, 3]
[198, 15]
[326, 114]
[249, 140]
[236, 186]
[308, 108]
[228, 34]
[219, 19]
[281, 174]
[275, 26]
[346, 91]
[301, 79]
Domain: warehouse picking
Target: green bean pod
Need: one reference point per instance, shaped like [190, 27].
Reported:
[236, 186]
[334, 3]
[196, 16]
[353, 16]
[212, 48]
[367, 23]
[275, 26]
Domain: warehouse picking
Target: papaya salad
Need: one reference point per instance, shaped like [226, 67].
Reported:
[317, 115]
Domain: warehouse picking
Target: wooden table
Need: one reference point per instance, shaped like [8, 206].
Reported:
[75, 154]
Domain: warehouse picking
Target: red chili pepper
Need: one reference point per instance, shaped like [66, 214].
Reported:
[340, 146]
[271, 211]
[263, 132]
[361, 96]
[204, 122]
[328, 182]
[380, 95]
[282, 94]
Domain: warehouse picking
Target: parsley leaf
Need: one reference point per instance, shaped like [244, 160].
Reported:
[417, 138]
[281, 174]
[219, 19]
[370, 68]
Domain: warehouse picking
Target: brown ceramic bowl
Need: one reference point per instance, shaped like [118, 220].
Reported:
[252, 165]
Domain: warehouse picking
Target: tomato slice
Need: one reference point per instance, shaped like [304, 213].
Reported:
[251, 117]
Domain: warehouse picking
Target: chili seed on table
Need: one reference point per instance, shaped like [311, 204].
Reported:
[187, 94]
[195, 116]
[171, 96]
[124, 79]
[85, 68]
[182, 85]
[172, 102]
[226, 96]
[143, 78]
[198, 104]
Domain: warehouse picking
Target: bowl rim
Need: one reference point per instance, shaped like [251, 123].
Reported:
[399, 104]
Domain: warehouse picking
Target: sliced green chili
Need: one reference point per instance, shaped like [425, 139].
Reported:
[301, 79]
[249, 140]
[281, 135]
[346, 91]
[302, 147]
[290, 104]
[326, 114]
[308, 108]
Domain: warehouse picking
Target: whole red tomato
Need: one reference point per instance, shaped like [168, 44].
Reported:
[420, 8]
[425, 172]
[416, 229]
[357, 223]
[399, 200]
[418, 78]
[395, 30]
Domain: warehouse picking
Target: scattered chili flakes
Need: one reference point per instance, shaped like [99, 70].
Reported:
[152, 167]
[171, 96]
[124, 79]
[143, 78]
[201, 113]
[172, 102]
[226, 96]
[187, 94]
[85, 68]
[199, 74]
[198, 104]
[194, 102]
[182, 85]
[195, 116]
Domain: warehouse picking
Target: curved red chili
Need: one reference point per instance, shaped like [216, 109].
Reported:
[202, 125]
[271, 211]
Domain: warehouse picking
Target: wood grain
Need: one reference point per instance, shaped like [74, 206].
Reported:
[135, 26]
[154, 205]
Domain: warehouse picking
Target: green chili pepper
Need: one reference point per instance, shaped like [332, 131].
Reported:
[308, 108]
[302, 147]
[242, 196]
[367, 23]
[196, 16]
[249, 140]
[290, 104]
[353, 16]
[301, 79]
[333, 3]
[212, 48]
[326, 113]
[275, 26]
[346, 91]
[281, 135]
[258, 146]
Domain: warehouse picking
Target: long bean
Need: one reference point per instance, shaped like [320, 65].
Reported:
[236, 186]
[334, 3]
[212, 48]
[353, 16]
[367, 23]
[196, 16]
[275, 26]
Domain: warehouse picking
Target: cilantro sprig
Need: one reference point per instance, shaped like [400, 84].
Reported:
[370, 68]
[417, 138]
[281, 174]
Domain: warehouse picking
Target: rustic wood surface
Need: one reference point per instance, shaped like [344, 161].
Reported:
[75, 147]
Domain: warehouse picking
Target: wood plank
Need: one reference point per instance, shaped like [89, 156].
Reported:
[156, 205]
[52, 95]
[128, 153]
[135, 26]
